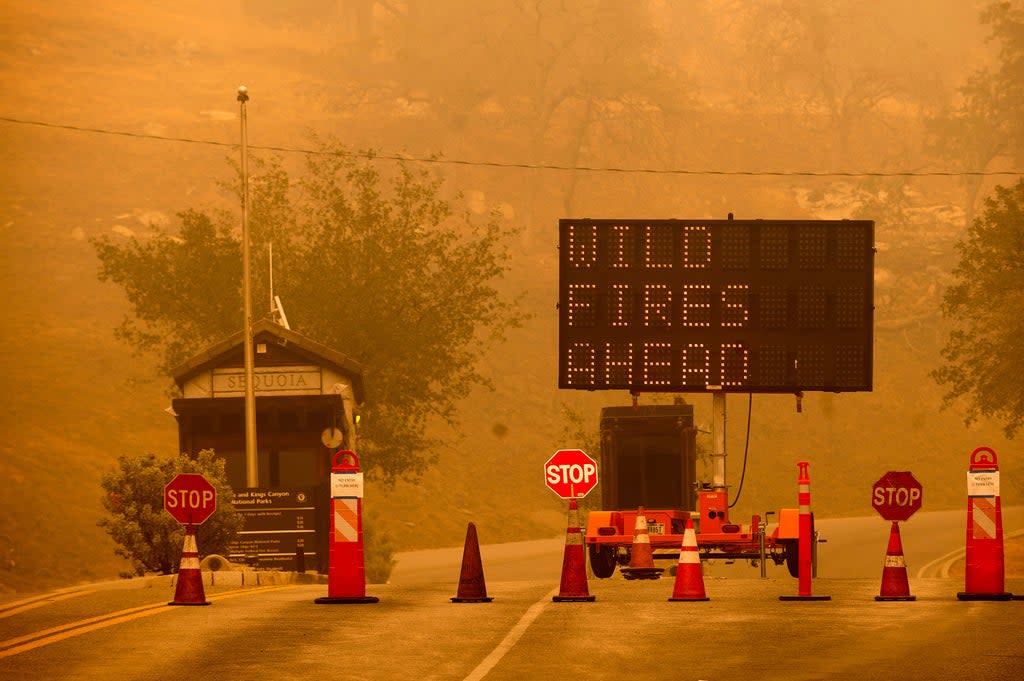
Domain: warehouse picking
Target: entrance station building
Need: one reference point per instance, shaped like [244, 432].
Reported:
[307, 400]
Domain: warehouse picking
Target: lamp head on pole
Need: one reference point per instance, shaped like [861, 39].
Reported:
[243, 94]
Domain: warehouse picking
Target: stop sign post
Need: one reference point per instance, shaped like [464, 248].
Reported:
[190, 498]
[570, 473]
[896, 495]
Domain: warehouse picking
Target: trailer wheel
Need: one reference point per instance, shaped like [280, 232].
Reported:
[602, 560]
[793, 557]
[793, 553]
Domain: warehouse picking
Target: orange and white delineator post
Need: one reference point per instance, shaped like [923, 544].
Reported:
[984, 571]
[805, 539]
[346, 575]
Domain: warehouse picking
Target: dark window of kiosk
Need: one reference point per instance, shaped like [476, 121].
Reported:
[288, 420]
[230, 422]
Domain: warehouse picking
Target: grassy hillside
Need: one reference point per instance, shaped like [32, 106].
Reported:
[73, 398]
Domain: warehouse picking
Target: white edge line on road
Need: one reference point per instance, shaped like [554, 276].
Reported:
[513, 636]
[947, 560]
[943, 571]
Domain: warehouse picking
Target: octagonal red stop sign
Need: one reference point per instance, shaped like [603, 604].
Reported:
[190, 498]
[570, 473]
[896, 495]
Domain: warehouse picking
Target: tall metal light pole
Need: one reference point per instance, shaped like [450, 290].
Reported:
[251, 458]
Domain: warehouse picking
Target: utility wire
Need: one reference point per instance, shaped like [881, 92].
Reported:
[746, 450]
[524, 166]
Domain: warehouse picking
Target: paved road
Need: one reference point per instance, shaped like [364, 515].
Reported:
[856, 546]
[631, 632]
[852, 548]
[125, 631]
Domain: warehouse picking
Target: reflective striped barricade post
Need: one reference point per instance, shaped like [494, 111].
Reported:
[346, 576]
[984, 571]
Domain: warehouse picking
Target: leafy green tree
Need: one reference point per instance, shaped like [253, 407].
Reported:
[147, 535]
[164, 277]
[984, 356]
[378, 266]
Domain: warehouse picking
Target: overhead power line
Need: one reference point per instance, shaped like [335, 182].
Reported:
[525, 166]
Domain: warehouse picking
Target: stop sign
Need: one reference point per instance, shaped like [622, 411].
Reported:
[190, 498]
[570, 473]
[896, 495]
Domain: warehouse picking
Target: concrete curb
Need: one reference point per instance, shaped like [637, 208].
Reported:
[247, 577]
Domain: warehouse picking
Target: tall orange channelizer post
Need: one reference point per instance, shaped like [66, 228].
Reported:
[346, 572]
[573, 587]
[805, 540]
[984, 572]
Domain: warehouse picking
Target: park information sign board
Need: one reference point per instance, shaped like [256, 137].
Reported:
[730, 305]
[276, 524]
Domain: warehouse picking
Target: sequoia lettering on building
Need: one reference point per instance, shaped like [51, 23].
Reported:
[268, 380]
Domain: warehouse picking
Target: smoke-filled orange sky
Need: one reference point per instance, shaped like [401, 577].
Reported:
[115, 116]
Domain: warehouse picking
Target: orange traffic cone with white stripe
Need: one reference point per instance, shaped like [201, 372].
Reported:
[641, 556]
[189, 588]
[895, 586]
[574, 562]
[689, 578]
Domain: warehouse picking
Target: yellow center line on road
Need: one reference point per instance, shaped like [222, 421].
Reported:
[9, 609]
[21, 644]
[48, 636]
[6, 647]
[246, 592]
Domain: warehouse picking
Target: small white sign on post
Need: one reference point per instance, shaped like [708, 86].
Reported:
[983, 483]
[346, 485]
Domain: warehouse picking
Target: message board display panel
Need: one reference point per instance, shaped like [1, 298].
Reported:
[730, 305]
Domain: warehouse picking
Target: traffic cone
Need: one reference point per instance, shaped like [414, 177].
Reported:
[895, 586]
[189, 588]
[472, 588]
[689, 578]
[573, 587]
[641, 557]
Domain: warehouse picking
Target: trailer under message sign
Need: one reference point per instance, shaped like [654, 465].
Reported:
[729, 305]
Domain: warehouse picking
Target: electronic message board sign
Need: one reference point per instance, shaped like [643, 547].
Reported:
[707, 305]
